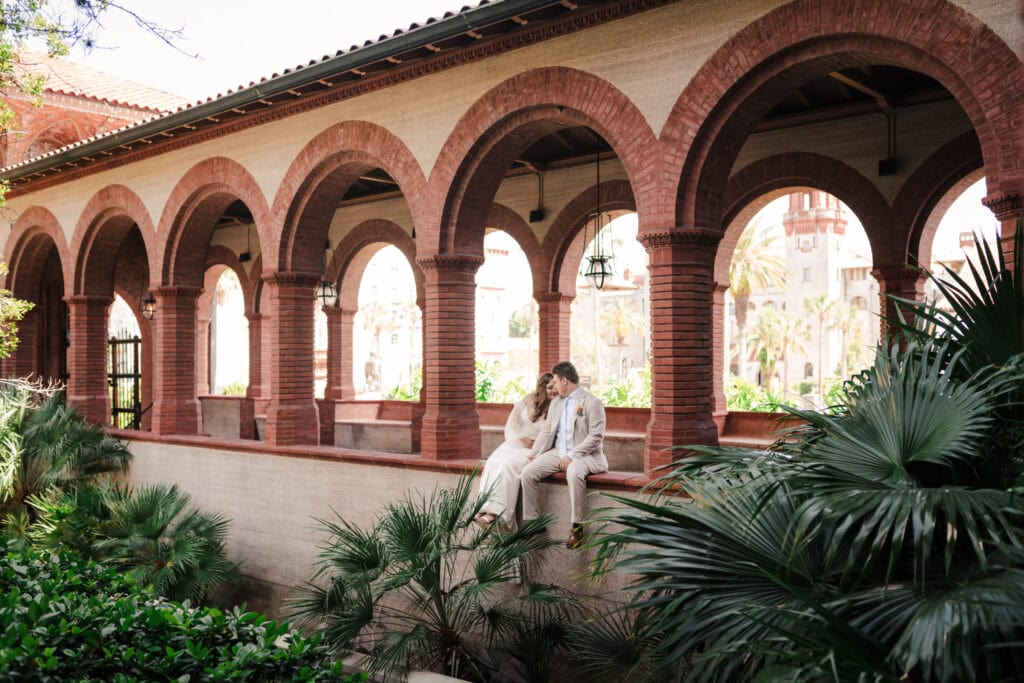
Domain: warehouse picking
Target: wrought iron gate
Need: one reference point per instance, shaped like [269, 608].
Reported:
[124, 376]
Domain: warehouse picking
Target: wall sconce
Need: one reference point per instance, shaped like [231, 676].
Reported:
[149, 307]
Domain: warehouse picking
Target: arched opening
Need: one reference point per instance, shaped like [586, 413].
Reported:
[387, 330]
[507, 322]
[228, 337]
[124, 365]
[962, 221]
[610, 326]
[801, 269]
[37, 277]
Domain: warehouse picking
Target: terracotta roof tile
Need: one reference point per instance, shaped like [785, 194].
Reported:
[68, 78]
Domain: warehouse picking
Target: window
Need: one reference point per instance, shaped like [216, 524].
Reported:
[807, 274]
[808, 371]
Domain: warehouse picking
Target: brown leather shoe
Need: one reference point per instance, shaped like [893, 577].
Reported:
[576, 537]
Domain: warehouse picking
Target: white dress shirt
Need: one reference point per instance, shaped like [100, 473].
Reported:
[565, 423]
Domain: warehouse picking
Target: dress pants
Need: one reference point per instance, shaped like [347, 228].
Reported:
[546, 464]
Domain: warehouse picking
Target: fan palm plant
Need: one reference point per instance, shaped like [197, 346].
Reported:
[45, 446]
[158, 540]
[424, 588]
[884, 542]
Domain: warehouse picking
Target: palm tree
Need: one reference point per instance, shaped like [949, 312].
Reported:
[425, 588]
[158, 540]
[620, 317]
[757, 263]
[879, 543]
[844, 319]
[820, 307]
[45, 446]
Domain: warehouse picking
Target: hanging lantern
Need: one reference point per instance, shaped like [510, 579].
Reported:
[599, 262]
[326, 292]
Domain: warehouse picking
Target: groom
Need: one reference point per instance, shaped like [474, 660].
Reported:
[570, 441]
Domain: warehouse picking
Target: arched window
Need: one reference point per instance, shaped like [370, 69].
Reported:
[808, 370]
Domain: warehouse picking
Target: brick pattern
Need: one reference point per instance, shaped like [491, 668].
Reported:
[255, 388]
[802, 169]
[191, 213]
[292, 413]
[87, 357]
[339, 354]
[319, 177]
[682, 334]
[719, 323]
[554, 317]
[563, 242]
[928, 192]
[1008, 209]
[25, 252]
[898, 280]
[175, 406]
[107, 218]
[797, 41]
[451, 426]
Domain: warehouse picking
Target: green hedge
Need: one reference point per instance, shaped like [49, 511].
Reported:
[65, 618]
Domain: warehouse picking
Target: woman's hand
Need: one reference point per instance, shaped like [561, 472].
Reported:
[527, 442]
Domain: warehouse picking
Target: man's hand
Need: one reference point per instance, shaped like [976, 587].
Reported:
[563, 464]
[527, 442]
[530, 457]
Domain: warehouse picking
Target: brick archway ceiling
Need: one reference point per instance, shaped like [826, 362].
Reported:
[469, 35]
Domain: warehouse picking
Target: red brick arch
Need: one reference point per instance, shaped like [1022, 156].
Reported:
[508, 221]
[564, 239]
[506, 120]
[358, 247]
[319, 177]
[191, 214]
[754, 186]
[33, 235]
[937, 182]
[219, 255]
[106, 220]
[805, 39]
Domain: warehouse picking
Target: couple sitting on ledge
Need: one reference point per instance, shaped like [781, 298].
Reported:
[557, 428]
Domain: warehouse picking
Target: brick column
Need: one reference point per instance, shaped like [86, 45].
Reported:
[25, 360]
[87, 357]
[420, 406]
[175, 406]
[339, 354]
[292, 417]
[451, 425]
[202, 328]
[720, 355]
[900, 280]
[1008, 209]
[553, 313]
[255, 388]
[682, 318]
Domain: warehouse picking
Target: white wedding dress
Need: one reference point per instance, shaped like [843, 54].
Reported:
[502, 469]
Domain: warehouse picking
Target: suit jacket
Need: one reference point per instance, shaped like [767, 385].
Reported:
[587, 430]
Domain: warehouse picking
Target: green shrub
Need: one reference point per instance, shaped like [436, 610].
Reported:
[234, 389]
[424, 588]
[410, 391]
[66, 618]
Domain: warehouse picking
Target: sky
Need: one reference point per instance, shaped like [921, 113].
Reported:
[238, 41]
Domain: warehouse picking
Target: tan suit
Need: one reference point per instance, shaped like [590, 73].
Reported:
[587, 454]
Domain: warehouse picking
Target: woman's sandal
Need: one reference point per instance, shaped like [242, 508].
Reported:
[484, 520]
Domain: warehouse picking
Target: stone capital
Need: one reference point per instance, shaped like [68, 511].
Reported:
[468, 264]
[898, 273]
[284, 279]
[553, 298]
[694, 238]
[1005, 205]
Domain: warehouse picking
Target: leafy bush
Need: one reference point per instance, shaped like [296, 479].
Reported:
[66, 618]
[742, 394]
[629, 392]
[234, 389]
[409, 391]
[154, 536]
[425, 588]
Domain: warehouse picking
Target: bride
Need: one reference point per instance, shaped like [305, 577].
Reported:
[500, 479]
